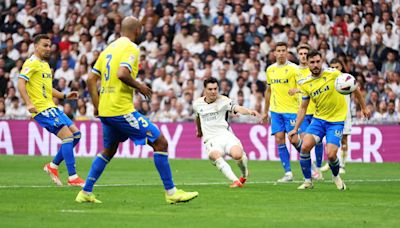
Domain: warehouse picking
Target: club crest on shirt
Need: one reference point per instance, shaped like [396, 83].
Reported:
[26, 70]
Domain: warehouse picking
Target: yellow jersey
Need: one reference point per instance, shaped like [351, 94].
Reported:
[39, 85]
[304, 73]
[281, 78]
[330, 105]
[116, 97]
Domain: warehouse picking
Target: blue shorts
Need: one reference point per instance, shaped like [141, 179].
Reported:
[282, 122]
[53, 119]
[332, 130]
[134, 126]
[306, 122]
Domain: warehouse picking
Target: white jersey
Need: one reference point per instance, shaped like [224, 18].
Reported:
[347, 122]
[213, 116]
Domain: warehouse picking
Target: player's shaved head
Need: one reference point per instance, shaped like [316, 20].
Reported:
[131, 27]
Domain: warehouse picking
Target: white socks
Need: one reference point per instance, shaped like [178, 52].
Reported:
[225, 169]
[242, 163]
[171, 191]
[343, 158]
[73, 177]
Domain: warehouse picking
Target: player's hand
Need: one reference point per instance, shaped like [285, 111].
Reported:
[72, 95]
[292, 133]
[292, 91]
[31, 108]
[366, 113]
[199, 134]
[264, 118]
[146, 91]
[254, 113]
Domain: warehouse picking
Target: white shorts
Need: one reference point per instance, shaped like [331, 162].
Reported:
[223, 144]
[347, 126]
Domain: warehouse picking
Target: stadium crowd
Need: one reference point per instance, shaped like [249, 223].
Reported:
[185, 41]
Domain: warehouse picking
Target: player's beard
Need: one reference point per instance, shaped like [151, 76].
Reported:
[45, 56]
[316, 71]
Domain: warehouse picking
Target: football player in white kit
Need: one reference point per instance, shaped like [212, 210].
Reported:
[212, 112]
[335, 63]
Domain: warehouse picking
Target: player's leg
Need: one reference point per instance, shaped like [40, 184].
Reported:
[76, 133]
[344, 149]
[309, 142]
[313, 135]
[111, 140]
[97, 168]
[333, 138]
[235, 149]
[278, 130]
[142, 131]
[160, 157]
[215, 155]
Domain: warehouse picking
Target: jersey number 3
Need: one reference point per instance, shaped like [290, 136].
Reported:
[107, 75]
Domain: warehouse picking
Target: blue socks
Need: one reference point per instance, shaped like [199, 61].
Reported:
[68, 155]
[162, 165]
[59, 157]
[334, 167]
[96, 170]
[284, 156]
[319, 152]
[77, 137]
[305, 163]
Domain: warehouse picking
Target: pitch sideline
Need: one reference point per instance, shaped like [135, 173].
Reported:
[194, 184]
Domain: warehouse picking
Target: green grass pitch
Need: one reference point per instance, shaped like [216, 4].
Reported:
[133, 196]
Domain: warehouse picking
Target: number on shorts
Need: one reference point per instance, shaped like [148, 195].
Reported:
[143, 121]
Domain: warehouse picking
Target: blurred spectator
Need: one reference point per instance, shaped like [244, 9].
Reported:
[16, 111]
[184, 42]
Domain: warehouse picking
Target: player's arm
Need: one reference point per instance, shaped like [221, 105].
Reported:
[24, 94]
[266, 107]
[124, 75]
[73, 95]
[92, 88]
[245, 111]
[199, 132]
[361, 101]
[300, 116]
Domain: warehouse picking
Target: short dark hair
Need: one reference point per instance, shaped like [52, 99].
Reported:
[334, 61]
[40, 37]
[210, 80]
[280, 44]
[313, 53]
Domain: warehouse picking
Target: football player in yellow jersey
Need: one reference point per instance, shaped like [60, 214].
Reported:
[35, 87]
[281, 76]
[117, 67]
[328, 120]
[335, 63]
[302, 51]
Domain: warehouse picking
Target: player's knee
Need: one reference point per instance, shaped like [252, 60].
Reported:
[279, 139]
[236, 152]
[331, 156]
[306, 146]
[161, 144]
[213, 156]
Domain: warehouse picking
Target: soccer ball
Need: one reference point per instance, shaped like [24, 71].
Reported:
[345, 84]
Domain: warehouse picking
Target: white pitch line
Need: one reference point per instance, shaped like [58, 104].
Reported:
[193, 184]
[72, 211]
